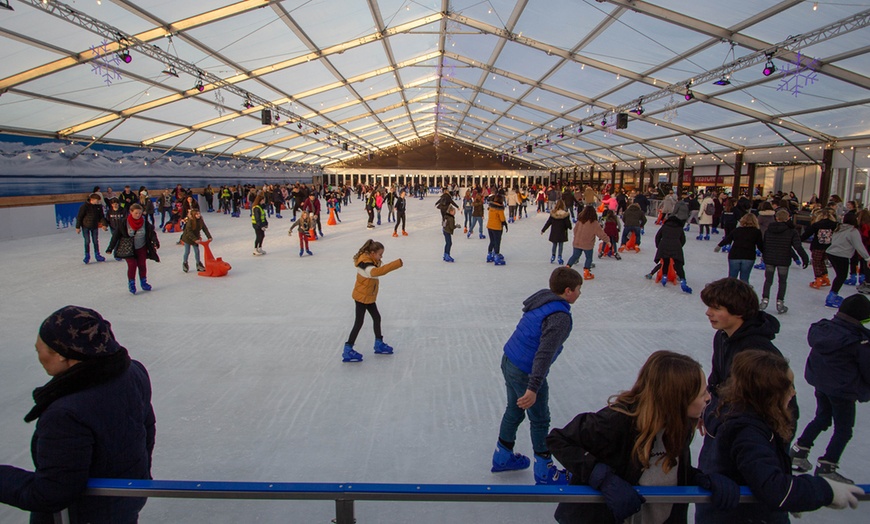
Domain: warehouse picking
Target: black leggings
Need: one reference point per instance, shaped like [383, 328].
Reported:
[258, 239]
[665, 266]
[400, 217]
[782, 274]
[841, 267]
[360, 317]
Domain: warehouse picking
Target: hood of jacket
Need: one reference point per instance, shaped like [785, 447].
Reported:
[830, 336]
[539, 299]
[777, 227]
[559, 214]
[767, 212]
[760, 325]
[673, 221]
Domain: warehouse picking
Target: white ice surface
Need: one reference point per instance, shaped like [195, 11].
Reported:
[249, 383]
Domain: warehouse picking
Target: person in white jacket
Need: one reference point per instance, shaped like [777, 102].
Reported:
[705, 217]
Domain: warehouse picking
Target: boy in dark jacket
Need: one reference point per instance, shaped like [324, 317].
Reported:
[528, 354]
[779, 241]
[89, 219]
[839, 368]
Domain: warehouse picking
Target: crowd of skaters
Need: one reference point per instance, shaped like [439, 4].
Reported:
[636, 438]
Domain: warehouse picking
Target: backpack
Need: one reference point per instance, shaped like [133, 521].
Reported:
[709, 209]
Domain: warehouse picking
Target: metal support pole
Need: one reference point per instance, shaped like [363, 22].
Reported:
[680, 168]
[827, 175]
[344, 512]
[738, 169]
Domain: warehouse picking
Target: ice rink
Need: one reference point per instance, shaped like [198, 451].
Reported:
[249, 385]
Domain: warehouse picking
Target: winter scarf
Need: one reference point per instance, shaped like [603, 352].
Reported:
[134, 223]
[82, 376]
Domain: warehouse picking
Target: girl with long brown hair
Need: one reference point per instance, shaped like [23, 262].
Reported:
[642, 438]
[752, 429]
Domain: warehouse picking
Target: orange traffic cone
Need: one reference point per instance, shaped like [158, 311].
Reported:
[214, 267]
[331, 221]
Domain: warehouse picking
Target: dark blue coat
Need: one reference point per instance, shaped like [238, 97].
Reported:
[106, 431]
[745, 449]
[839, 360]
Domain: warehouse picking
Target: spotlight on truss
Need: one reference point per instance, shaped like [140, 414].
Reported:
[170, 70]
[723, 81]
[199, 87]
[125, 56]
[769, 68]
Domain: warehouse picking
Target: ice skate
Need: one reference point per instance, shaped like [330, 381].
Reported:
[617, 256]
[828, 470]
[546, 473]
[349, 355]
[301, 252]
[851, 281]
[308, 252]
[482, 236]
[199, 267]
[498, 259]
[685, 287]
[132, 286]
[552, 258]
[395, 234]
[381, 347]
[762, 304]
[561, 262]
[781, 307]
[799, 456]
[706, 237]
[404, 233]
[664, 281]
[504, 459]
[87, 258]
[447, 258]
[833, 300]
[99, 257]
[143, 283]
[817, 283]
[185, 267]
[489, 258]
[587, 275]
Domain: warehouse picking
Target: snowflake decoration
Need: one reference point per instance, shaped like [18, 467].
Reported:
[105, 63]
[797, 75]
[219, 102]
[670, 110]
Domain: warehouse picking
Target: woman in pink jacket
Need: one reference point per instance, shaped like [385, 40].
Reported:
[584, 239]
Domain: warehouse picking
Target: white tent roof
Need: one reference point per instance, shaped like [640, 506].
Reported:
[499, 74]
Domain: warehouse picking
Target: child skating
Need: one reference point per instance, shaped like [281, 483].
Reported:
[448, 225]
[559, 223]
[528, 355]
[369, 268]
[305, 224]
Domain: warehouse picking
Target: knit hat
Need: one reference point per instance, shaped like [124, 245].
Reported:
[78, 333]
[857, 307]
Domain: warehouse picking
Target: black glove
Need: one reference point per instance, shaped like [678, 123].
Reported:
[504, 225]
[620, 497]
[724, 492]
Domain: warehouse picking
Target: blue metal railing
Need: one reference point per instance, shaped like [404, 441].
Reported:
[345, 494]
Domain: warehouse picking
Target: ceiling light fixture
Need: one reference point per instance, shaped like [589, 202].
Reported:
[125, 55]
[603, 122]
[723, 81]
[199, 87]
[170, 70]
[769, 68]
[689, 94]
[580, 129]
[639, 109]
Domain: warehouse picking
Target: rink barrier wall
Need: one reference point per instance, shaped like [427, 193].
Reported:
[345, 494]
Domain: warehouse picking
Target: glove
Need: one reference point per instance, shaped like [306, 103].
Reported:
[620, 497]
[504, 224]
[717, 249]
[724, 492]
[844, 495]
[804, 265]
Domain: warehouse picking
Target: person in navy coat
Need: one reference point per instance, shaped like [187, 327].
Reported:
[94, 420]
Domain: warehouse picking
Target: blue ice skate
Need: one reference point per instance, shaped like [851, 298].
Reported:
[685, 287]
[498, 259]
[546, 473]
[851, 281]
[715, 231]
[99, 257]
[132, 286]
[706, 237]
[489, 258]
[664, 281]
[143, 283]
[699, 237]
[381, 347]
[349, 355]
[448, 258]
[504, 459]
[760, 265]
[561, 262]
[482, 236]
[552, 259]
[308, 251]
[833, 300]
[87, 258]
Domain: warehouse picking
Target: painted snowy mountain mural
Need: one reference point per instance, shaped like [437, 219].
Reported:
[30, 166]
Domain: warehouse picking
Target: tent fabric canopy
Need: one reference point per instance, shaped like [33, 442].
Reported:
[345, 79]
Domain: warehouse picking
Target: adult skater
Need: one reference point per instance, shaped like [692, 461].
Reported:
[89, 220]
[259, 223]
[532, 348]
[94, 420]
[136, 242]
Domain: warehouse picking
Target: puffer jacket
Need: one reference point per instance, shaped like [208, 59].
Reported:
[585, 233]
[779, 241]
[839, 361]
[633, 217]
[496, 217]
[367, 272]
[560, 223]
[670, 240]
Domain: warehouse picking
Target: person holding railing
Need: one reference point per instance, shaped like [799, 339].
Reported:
[94, 419]
[753, 426]
[641, 438]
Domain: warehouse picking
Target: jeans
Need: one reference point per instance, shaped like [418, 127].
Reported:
[448, 242]
[91, 235]
[539, 414]
[558, 246]
[842, 411]
[575, 257]
[479, 222]
[494, 241]
[740, 268]
[468, 222]
[626, 233]
[195, 252]
[782, 273]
